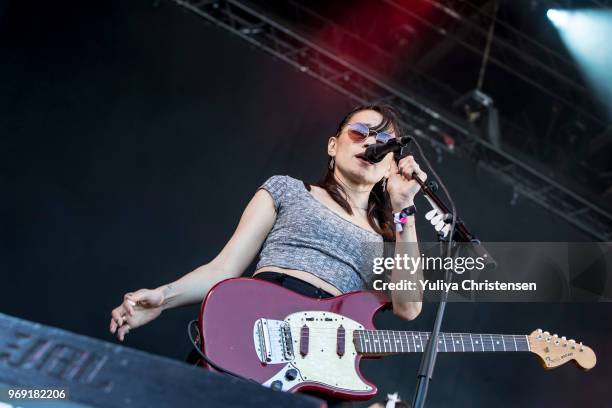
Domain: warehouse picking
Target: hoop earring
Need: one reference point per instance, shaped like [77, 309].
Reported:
[384, 185]
[332, 162]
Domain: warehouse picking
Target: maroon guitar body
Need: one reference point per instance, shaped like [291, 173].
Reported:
[290, 342]
[236, 339]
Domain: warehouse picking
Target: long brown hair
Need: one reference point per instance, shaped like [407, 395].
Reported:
[379, 212]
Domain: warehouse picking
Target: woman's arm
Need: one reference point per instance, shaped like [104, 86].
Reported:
[144, 305]
[407, 303]
[402, 190]
[255, 224]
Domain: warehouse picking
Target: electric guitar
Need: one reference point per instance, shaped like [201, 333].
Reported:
[290, 342]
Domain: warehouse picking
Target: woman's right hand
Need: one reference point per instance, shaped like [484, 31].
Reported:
[138, 308]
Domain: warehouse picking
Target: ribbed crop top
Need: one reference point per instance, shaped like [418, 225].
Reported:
[311, 237]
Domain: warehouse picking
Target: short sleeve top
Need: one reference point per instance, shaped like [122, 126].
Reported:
[309, 236]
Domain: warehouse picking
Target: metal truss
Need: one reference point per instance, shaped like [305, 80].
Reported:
[514, 52]
[455, 30]
[424, 122]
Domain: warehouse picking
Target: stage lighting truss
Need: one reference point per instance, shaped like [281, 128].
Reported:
[431, 125]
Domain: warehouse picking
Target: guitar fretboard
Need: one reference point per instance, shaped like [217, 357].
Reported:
[378, 342]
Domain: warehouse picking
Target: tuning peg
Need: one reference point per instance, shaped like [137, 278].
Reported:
[572, 343]
[555, 335]
[564, 338]
[581, 347]
[546, 333]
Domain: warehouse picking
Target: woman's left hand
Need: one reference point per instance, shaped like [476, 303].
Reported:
[401, 186]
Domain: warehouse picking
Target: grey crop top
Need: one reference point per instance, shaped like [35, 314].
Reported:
[310, 237]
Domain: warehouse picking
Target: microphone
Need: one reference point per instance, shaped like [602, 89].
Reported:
[376, 152]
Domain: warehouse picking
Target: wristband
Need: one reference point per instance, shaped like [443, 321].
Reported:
[401, 218]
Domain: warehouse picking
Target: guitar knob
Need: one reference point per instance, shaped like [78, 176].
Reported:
[276, 385]
[291, 374]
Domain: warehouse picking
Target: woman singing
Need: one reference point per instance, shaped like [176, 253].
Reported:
[309, 237]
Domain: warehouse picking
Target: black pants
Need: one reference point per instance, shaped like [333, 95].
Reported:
[294, 284]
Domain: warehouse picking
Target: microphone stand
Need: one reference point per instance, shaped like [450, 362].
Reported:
[459, 234]
[428, 359]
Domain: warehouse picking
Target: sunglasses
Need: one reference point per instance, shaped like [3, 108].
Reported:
[360, 131]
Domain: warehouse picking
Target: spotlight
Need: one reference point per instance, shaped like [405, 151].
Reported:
[586, 34]
[559, 18]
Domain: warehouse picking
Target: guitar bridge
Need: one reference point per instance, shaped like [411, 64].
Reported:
[273, 341]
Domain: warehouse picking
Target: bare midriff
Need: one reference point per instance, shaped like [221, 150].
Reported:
[304, 276]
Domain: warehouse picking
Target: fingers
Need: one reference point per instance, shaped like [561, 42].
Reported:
[120, 314]
[129, 303]
[119, 323]
[123, 330]
[117, 318]
[408, 167]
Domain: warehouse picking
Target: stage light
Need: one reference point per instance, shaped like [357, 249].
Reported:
[586, 34]
[559, 18]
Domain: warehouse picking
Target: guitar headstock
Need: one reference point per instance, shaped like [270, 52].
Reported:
[555, 351]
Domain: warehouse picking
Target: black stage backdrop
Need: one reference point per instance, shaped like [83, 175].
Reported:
[133, 134]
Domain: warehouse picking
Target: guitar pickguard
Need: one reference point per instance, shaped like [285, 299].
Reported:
[322, 350]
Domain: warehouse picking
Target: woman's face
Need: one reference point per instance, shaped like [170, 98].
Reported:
[346, 148]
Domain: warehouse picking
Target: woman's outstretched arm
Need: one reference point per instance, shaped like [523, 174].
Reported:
[142, 306]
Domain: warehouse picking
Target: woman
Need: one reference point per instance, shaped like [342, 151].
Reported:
[311, 237]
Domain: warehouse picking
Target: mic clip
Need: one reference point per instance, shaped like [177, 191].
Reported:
[404, 149]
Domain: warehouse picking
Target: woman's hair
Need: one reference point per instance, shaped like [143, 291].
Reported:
[379, 213]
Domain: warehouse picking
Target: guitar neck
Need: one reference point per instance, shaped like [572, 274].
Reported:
[380, 342]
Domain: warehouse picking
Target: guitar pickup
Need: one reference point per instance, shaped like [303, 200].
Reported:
[304, 340]
[340, 341]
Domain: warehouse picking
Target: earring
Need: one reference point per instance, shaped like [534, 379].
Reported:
[331, 163]
[384, 185]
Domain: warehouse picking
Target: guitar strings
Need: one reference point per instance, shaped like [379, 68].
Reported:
[414, 333]
[452, 338]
